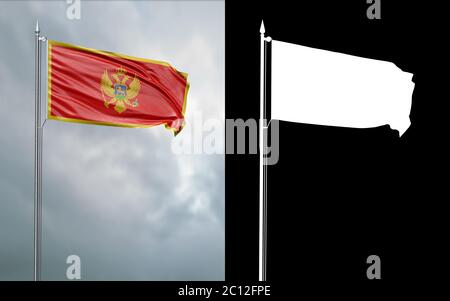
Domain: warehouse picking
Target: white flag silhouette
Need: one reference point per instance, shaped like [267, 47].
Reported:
[328, 88]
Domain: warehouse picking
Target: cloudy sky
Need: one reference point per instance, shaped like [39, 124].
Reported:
[117, 197]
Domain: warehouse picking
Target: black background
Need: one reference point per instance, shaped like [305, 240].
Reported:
[338, 195]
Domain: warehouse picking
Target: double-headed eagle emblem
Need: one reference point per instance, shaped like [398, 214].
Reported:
[118, 92]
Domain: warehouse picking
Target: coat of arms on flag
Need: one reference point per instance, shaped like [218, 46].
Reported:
[118, 92]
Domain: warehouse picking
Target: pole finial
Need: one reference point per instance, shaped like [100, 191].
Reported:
[262, 29]
[37, 30]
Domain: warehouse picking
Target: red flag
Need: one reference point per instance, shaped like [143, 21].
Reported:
[93, 86]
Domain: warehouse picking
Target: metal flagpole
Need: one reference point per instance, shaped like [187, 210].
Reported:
[37, 159]
[262, 160]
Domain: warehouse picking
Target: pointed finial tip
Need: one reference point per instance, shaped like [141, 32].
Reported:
[37, 26]
[262, 29]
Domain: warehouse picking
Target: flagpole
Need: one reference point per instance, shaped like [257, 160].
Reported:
[37, 159]
[262, 190]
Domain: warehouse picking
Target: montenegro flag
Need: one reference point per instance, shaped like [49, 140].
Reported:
[99, 87]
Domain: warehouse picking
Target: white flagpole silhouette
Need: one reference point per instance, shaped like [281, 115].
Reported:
[262, 160]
